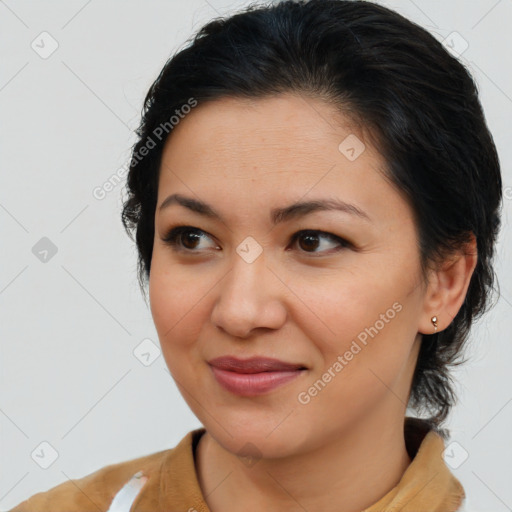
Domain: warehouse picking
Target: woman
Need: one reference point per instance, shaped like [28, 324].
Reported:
[317, 235]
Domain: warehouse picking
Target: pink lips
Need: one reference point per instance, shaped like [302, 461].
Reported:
[255, 376]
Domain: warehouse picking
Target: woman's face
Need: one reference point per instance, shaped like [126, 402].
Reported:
[343, 301]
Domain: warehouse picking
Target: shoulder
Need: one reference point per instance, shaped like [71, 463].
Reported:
[95, 491]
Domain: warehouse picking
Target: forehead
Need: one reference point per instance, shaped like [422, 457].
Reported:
[263, 149]
[279, 132]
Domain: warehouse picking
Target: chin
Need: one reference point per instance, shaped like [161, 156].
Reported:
[259, 439]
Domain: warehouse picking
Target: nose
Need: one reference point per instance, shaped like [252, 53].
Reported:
[249, 297]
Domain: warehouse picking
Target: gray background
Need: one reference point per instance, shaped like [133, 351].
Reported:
[70, 324]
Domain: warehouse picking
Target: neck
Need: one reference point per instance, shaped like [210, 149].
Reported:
[347, 474]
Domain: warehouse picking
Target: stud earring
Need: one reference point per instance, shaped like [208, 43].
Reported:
[434, 322]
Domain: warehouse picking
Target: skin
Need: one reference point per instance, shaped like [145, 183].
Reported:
[298, 302]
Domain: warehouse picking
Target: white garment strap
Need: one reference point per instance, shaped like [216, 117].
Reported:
[124, 499]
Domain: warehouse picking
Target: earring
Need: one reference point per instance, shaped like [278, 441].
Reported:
[434, 322]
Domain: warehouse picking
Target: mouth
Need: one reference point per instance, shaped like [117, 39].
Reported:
[255, 376]
[253, 365]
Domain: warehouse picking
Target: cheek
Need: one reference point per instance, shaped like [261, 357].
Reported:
[368, 316]
[343, 305]
[365, 366]
[176, 299]
[176, 310]
[376, 328]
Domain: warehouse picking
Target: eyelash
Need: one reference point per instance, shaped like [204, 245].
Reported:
[172, 238]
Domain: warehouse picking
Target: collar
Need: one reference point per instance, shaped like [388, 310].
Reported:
[427, 485]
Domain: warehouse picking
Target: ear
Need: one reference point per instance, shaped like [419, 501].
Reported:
[447, 287]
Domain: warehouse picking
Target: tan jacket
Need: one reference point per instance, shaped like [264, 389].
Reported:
[166, 481]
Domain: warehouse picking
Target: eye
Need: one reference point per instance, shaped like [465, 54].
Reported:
[185, 239]
[311, 237]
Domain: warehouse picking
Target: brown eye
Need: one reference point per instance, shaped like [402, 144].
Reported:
[185, 238]
[190, 239]
[310, 240]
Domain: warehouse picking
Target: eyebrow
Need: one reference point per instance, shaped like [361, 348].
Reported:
[277, 215]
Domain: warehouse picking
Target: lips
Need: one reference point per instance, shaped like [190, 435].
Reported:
[255, 376]
[253, 365]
